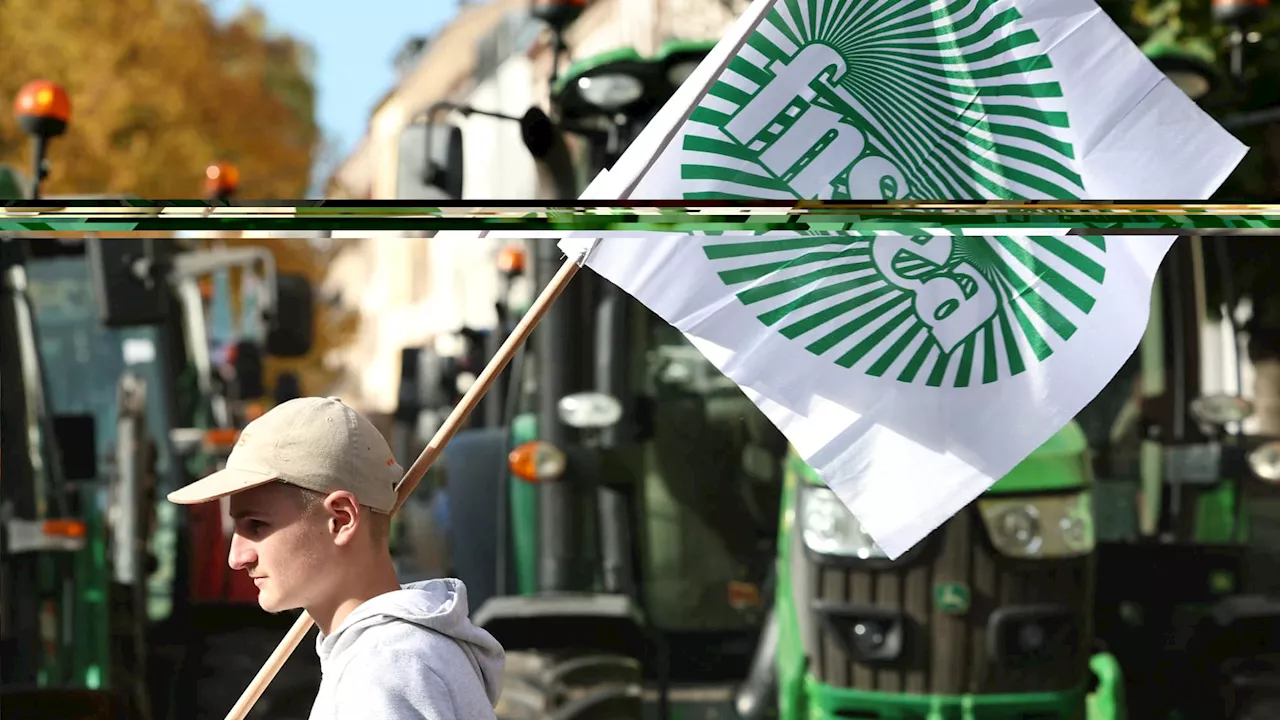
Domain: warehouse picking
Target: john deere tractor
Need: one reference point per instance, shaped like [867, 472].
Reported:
[988, 617]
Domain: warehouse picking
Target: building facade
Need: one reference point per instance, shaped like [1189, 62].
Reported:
[493, 57]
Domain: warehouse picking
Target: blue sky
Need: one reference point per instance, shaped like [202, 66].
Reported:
[354, 43]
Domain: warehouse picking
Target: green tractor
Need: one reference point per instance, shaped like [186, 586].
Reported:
[73, 561]
[57, 634]
[989, 617]
[615, 514]
[1187, 551]
[658, 547]
[132, 359]
[129, 398]
[1129, 540]
[116, 392]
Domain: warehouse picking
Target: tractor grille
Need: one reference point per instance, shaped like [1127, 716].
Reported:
[951, 653]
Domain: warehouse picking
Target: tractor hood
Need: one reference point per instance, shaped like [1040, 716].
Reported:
[1061, 463]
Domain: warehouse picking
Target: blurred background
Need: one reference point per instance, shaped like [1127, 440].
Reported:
[632, 529]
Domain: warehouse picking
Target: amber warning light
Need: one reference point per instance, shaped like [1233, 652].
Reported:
[221, 179]
[42, 108]
[511, 260]
[58, 534]
[220, 440]
[537, 461]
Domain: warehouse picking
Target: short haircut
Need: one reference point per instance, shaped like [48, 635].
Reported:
[379, 523]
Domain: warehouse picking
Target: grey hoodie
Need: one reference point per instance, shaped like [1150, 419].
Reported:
[409, 654]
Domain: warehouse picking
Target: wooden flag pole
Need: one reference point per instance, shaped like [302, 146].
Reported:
[420, 466]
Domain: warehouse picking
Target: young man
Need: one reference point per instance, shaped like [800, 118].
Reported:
[311, 485]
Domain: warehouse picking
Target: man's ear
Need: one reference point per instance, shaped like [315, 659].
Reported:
[343, 516]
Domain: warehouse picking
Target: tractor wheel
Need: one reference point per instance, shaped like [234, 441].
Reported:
[570, 686]
[1260, 708]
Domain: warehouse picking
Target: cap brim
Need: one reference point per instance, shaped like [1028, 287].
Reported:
[219, 485]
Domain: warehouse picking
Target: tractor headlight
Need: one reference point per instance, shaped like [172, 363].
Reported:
[589, 410]
[829, 528]
[1055, 526]
[679, 72]
[610, 92]
[1219, 410]
[1265, 461]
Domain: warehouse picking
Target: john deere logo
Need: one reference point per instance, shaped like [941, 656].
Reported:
[951, 598]
[883, 100]
[939, 311]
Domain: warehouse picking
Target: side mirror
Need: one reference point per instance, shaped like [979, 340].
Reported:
[538, 132]
[77, 440]
[248, 367]
[288, 387]
[428, 372]
[408, 403]
[429, 162]
[291, 327]
[129, 289]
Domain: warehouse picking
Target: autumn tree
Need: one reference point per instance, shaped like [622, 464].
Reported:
[160, 90]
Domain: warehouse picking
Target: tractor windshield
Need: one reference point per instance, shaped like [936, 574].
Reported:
[84, 362]
[1186, 352]
[1110, 421]
[711, 489]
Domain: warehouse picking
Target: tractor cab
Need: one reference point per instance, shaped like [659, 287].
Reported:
[1187, 503]
[72, 507]
[628, 557]
[118, 328]
[118, 401]
[56, 635]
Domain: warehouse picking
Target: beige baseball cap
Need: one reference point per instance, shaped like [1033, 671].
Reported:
[319, 444]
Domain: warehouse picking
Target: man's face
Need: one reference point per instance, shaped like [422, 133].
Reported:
[282, 549]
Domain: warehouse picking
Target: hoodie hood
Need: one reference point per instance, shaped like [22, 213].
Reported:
[439, 606]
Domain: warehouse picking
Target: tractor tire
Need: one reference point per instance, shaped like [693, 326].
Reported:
[1261, 708]
[570, 686]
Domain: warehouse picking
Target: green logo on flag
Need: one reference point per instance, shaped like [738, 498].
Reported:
[883, 100]
[943, 311]
[855, 99]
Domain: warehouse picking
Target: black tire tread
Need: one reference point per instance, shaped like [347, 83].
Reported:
[570, 686]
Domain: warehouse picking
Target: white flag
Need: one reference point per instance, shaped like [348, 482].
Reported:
[912, 373]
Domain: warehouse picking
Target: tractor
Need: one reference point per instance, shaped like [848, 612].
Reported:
[660, 550]
[1187, 507]
[106, 605]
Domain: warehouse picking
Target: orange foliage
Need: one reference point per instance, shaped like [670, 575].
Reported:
[159, 90]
